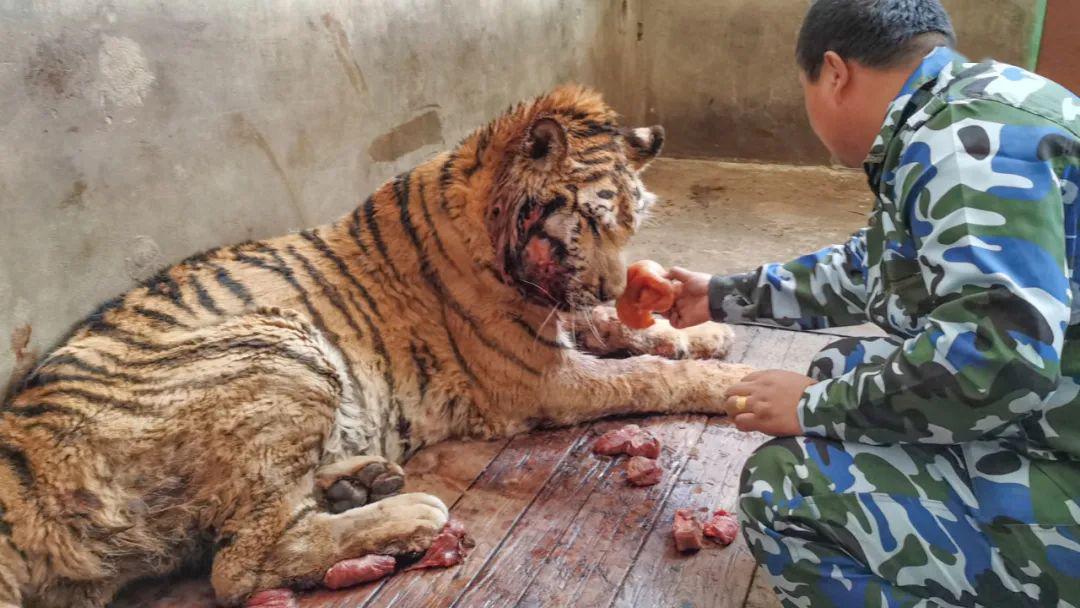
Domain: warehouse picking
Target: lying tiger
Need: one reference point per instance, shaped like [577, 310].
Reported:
[252, 402]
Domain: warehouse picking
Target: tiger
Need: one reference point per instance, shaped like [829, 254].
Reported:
[252, 405]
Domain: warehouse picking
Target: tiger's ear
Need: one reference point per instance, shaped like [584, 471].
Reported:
[545, 145]
[642, 145]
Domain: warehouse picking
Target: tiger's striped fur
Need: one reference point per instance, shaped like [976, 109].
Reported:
[209, 409]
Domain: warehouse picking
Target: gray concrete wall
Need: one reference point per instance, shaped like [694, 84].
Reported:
[722, 78]
[133, 133]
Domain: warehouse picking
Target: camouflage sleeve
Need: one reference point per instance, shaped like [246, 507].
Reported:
[984, 206]
[822, 289]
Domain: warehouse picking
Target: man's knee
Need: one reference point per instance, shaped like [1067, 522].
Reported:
[769, 466]
[845, 354]
[832, 360]
[782, 472]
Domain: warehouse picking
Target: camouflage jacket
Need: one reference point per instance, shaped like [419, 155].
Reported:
[969, 259]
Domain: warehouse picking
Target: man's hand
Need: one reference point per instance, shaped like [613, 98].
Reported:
[767, 401]
[692, 302]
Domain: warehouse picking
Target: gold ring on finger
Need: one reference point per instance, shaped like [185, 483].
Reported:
[740, 402]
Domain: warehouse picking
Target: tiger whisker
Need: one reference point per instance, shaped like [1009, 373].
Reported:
[595, 331]
[539, 330]
[542, 290]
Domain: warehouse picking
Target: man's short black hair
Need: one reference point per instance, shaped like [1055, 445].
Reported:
[876, 33]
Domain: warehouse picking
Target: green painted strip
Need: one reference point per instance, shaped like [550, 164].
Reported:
[1035, 44]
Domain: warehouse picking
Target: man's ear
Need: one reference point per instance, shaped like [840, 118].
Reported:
[836, 70]
[545, 145]
[642, 145]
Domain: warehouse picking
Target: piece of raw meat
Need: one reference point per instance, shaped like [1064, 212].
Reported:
[646, 290]
[723, 527]
[350, 572]
[642, 471]
[272, 598]
[687, 531]
[614, 442]
[630, 439]
[643, 444]
[448, 548]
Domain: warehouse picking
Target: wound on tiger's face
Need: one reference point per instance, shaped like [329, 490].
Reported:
[569, 201]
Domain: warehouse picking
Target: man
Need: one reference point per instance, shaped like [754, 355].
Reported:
[939, 465]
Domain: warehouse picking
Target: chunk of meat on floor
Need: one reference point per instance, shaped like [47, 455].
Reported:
[351, 572]
[723, 527]
[273, 598]
[644, 444]
[641, 471]
[631, 440]
[687, 531]
[448, 549]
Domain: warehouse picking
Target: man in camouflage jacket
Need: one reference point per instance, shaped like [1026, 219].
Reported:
[939, 465]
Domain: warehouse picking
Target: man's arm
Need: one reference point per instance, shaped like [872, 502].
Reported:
[988, 226]
[822, 289]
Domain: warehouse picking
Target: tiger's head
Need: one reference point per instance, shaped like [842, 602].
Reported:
[565, 196]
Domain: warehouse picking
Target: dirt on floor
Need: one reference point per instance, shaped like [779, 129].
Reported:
[723, 217]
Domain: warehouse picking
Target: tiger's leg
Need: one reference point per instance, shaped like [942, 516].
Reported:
[355, 482]
[599, 331]
[287, 542]
[585, 388]
[263, 436]
[13, 571]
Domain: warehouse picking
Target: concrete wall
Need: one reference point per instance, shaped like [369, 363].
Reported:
[721, 76]
[133, 133]
[1059, 56]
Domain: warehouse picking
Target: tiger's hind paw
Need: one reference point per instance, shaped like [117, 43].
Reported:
[355, 482]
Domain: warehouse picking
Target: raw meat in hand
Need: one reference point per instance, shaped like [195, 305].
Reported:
[723, 527]
[646, 291]
[631, 440]
[358, 571]
[642, 471]
[448, 548]
[687, 531]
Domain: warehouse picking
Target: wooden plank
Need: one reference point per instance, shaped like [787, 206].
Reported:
[446, 470]
[663, 577]
[783, 349]
[766, 348]
[585, 512]
[761, 592]
[504, 577]
[745, 335]
[716, 576]
[866, 330]
[488, 511]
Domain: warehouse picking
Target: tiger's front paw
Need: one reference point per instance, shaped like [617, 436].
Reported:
[708, 340]
[705, 341]
[411, 523]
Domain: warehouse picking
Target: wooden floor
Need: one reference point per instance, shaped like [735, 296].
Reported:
[556, 525]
